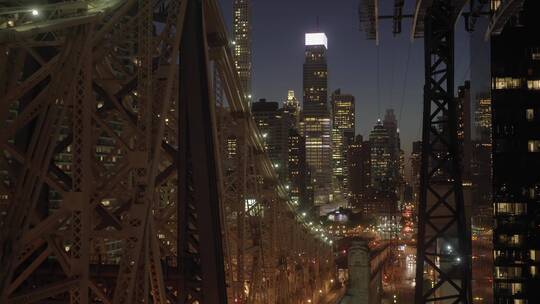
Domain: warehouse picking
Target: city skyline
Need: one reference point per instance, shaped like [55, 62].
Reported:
[254, 152]
[352, 60]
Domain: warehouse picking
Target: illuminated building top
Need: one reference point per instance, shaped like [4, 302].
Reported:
[317, 39]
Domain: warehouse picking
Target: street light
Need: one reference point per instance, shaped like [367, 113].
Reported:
[35, 12]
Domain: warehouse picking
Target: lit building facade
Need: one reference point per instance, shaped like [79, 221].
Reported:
[316, 124]
[242, 43]
[298, 174]
[380, 157]
[393, 176]
[482, 115]
[515, 68]
[359, 163]
[275, 132]
[343, 116]
[464, 128]
[416, 163]
[291, 110]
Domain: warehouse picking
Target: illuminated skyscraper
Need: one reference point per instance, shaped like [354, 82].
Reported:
[515, 67]
[482, 117]
[464, 128]
[416, 163]
[242, 43]
[380, 157]
[393, 177]
[342, 137]
[316, 74]
[291, 110]
[316, 126]
[298, 174]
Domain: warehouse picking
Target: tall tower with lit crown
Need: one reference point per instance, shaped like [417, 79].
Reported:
[242, 43]
[316, 125]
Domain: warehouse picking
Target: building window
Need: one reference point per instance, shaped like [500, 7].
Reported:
[511, 240]
[530, 114]
[533, 146]
[507, 272]
[533, 84]
[535, 54]
[501, 83]
[510, 208]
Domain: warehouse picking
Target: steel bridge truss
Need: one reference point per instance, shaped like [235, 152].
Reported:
[121, 178]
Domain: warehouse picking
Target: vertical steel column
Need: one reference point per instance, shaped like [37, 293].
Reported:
[443, 251]
[202, 277]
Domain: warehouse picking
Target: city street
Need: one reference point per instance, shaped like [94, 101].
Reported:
[398, 280]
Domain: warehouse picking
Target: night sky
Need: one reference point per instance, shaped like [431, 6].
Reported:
[278, 54]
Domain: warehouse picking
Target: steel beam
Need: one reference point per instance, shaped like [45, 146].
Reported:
[200, 256]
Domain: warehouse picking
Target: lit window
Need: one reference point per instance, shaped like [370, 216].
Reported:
[507, 272]
[530, 114]
[533, 84]
[510, 208]
[501, 83]
[535, 54]
[533, 145]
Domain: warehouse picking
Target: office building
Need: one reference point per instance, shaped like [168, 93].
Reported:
[515, 69]
[343, 116]
[482, 115]
[416, 166]
[390, 124]
[298, 172]
[359, 163]
[380, 158]
[291, 110]
[464, 129]
[275, 133]
[242, 43]
[316, 125]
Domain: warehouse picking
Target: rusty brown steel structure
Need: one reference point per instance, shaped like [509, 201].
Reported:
[121, 178]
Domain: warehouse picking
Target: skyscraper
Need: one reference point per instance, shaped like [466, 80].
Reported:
[380, 157]
[464, 128]
[416, 163]
[390, 124]
[342, 135]
[298, 175]
[315, 74]
[482, 116]
[316, 126]
[242, 43]
[359, 163]
[275, 132]
[291, 110]
[515, 68]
